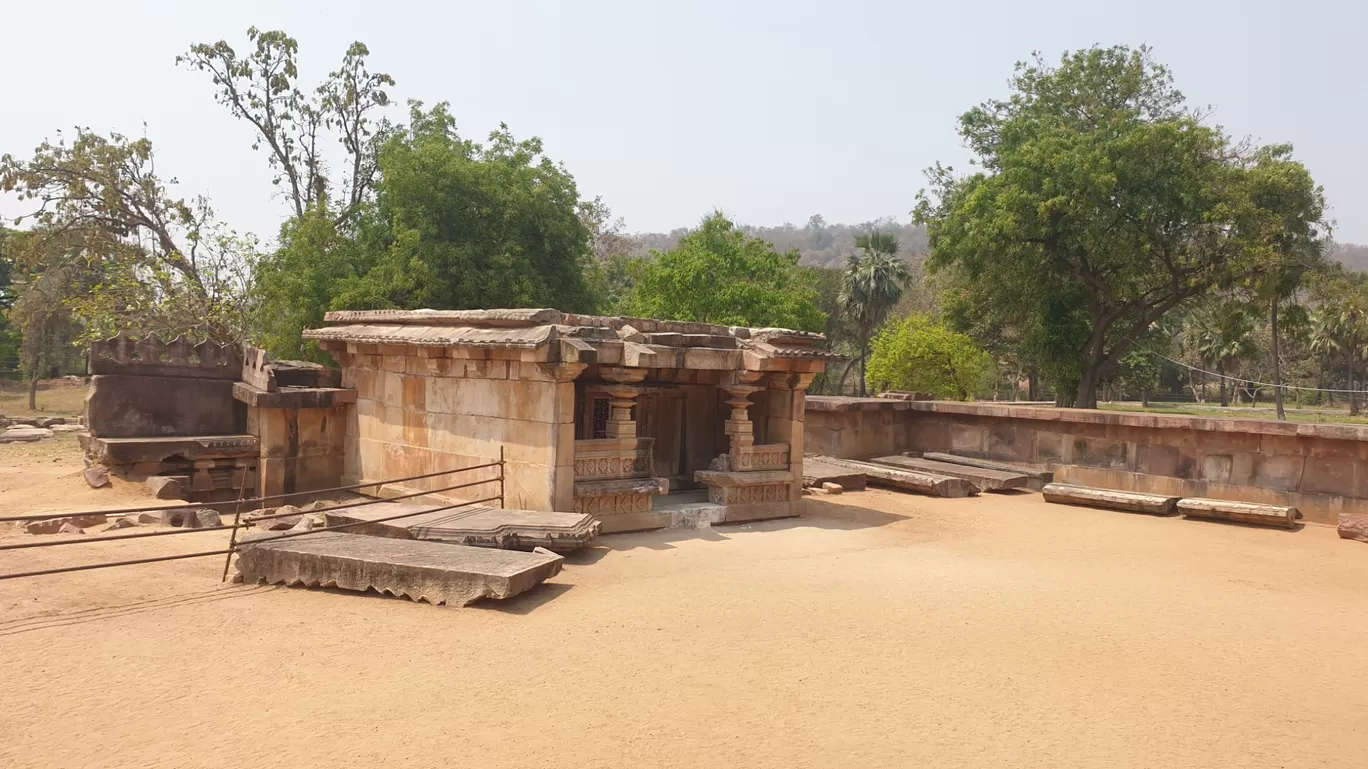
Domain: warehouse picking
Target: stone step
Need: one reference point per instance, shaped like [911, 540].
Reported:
[1240, 512]
[816, 472]
[985, 480]
[908, 480]
[474, 526]
[1038, 477]
[1129, 501]
[435, 572]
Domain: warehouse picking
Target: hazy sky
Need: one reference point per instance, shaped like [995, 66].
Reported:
[771, 111]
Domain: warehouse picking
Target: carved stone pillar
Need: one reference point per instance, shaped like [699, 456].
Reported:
[620, 422]
[738, 427]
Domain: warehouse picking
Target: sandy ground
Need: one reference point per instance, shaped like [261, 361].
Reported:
[882, 630]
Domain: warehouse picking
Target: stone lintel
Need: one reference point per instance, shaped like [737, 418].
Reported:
[293, 397]
[128, 451]
[623, 486]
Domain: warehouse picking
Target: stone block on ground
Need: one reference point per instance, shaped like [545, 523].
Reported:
[149, 517]
[1128, 501]
[208, 518]
[1240, 512]
[1038, 477]
[25, 434]
[292, 516]
[305, 524]
[908, 480]
[1353, 526]
[54, 525]
[816, 472]
[435, 572]
[96, 476]
[50, 421]
[125, 522]
[474, 526]
[68, 528]
[832, 488]
[984, 478]
[168, 486]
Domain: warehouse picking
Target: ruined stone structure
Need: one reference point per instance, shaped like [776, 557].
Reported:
[212, 416]
[606, 416]
[1319, 469]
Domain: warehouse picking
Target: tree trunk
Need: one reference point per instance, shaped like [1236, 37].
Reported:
[1277, 363]
[1144, 397]
[1353, 395]
[1087, 387]
[864, 355]
[1220, 375]
[33, 392]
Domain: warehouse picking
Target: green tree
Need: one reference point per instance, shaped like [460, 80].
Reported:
[1102, 205]
[919, 354]
[718, 274]
[165, 265]
[1221, 334]
[1296, 241]
[871, 286]
[261, 87]
[464, 225]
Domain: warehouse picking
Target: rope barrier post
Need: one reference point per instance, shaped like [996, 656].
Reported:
[237, 521]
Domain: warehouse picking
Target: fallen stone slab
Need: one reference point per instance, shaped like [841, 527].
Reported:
[816, 472]
[96, 476]
[1038, 477]
[1128, 501]
[291, 516]
[1353, 526]
[1240, 512]
[908, 480]
[50, 421]
[436, 572]
[68, 528]
[25, 434]
[207, 518]
[474, 526]
[167, 486]
[125, 522]
[54, 525]
[64, 428]
[984, 479]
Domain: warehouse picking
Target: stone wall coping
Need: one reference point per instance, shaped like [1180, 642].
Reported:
[1324, 430]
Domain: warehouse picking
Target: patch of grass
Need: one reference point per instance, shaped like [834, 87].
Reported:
[56, 397]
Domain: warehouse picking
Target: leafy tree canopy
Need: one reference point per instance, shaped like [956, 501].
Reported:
[718, 274]
[922, 355]
[1102, 204]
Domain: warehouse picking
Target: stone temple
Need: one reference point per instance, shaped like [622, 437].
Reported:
[629, 420]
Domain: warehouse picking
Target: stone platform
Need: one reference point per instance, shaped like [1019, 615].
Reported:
[475, 526]
[984, 478]
[435, 572]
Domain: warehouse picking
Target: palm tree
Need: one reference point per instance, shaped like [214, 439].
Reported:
[1342, 327]
[872, 284]
[1221, 335]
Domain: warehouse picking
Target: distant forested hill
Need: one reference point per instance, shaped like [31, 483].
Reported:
[821, 244]
[1352, 256]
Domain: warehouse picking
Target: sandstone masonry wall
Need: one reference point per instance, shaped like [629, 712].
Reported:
[1322, 469]
[416, 414]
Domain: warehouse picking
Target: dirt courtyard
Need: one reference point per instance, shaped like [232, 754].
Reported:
[881, 630]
